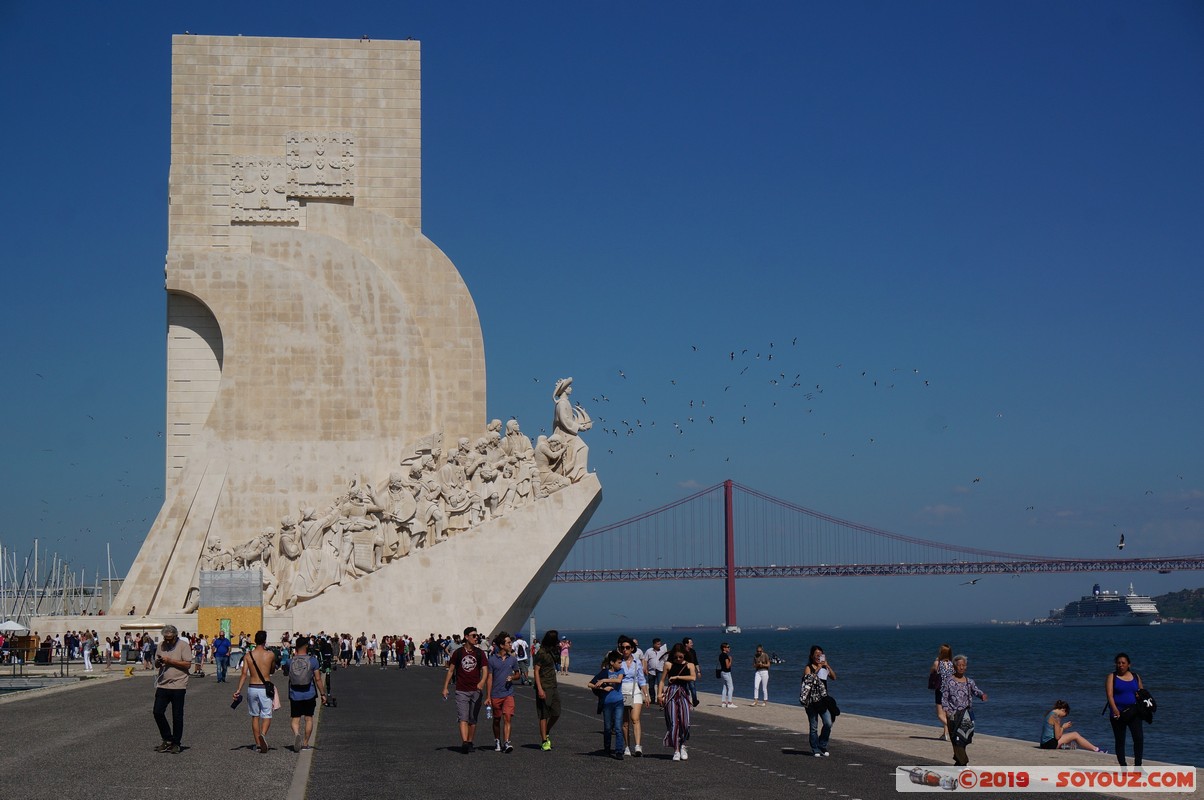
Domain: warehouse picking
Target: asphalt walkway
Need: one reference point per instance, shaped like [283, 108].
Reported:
[392, 732]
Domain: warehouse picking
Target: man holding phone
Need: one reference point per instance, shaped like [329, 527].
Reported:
[173, 662]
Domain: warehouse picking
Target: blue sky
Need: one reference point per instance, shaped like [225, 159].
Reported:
[992, 210]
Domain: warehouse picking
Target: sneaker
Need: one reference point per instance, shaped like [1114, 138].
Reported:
[307, 747]
[508, 748]
[684, 754]
[175, 749]
[465, 748]
[825, 754]
[1101, 751]
[617, 756]
[818, 755]
[497, 745]
[163, 748]
[262, 743]
[626, 751]
[677, 755]
[296, 743]
[639, 751]
[546, 744]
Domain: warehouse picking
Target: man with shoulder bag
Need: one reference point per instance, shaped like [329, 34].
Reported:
[257, 668]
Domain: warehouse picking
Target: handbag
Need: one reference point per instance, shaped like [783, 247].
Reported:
[718, 673]
[1147, 703]
[811, 691]
[963, 727]
[934, 680]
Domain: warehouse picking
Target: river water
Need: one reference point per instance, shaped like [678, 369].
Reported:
[1023, 669]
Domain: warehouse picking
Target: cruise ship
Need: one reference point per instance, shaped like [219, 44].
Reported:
[1110, 608]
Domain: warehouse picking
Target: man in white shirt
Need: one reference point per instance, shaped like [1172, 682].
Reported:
[522, 651]
[654, 662]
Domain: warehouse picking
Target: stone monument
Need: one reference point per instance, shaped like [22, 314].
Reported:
[325, 368]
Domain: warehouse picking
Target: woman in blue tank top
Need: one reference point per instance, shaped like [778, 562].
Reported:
[1121, 687]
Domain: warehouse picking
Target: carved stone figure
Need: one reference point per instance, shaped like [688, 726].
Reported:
[216, 556]
[289, 547]
[318, 569]
[549, 460]
[357, 530]
[258, 549]
[567, 422]
[520, 455]
[429, 517]
[400, 508]
[463, 505]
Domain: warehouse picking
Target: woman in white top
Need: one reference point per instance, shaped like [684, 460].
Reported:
[634, 685]
[760, 676]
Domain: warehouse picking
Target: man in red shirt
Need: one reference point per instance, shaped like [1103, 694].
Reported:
[470, 666]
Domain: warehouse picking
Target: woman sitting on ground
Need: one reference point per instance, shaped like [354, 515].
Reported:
[1054, 734]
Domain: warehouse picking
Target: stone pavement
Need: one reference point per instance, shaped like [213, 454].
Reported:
[392, 732]
[95, 738]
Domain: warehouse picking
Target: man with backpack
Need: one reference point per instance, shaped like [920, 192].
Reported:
[304, 688]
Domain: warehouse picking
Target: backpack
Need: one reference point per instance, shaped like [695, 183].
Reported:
[300, 672]
[520, 652]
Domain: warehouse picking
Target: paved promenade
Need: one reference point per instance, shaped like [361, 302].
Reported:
[393, 732]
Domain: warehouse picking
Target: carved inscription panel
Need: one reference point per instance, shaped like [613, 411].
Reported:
[316, 164]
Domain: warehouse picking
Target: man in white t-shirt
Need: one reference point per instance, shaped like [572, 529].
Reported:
[654, 662]
[522, 651]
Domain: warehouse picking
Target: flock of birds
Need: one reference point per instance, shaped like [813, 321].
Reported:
[648, 422]
[743, 389]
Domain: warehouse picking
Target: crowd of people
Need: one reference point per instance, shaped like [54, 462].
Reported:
[483, 674]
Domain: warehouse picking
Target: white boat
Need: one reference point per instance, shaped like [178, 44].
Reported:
[732, 629]
[1104, 608]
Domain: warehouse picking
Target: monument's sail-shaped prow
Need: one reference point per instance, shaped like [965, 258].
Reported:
[326, 399]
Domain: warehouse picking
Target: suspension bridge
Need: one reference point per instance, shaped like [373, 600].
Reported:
[695, 538]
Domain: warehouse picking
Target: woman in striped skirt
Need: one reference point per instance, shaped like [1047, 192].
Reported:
[674, 695]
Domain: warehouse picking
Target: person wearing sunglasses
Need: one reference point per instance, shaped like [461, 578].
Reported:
[470, 666]
[634, 687]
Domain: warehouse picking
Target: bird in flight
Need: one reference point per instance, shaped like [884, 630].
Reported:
[971, 583]
[1121, 544]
